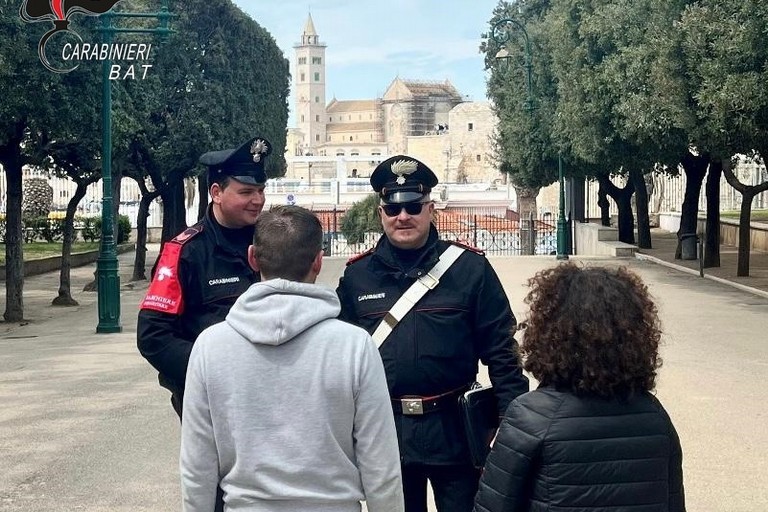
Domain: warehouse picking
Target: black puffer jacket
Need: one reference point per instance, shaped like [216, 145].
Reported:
[557, 452]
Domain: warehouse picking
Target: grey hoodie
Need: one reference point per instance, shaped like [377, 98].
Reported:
[288, 408]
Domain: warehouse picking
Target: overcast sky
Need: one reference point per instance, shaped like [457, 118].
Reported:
[370, 43]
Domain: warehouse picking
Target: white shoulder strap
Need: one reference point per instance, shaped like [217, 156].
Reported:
[413, 294]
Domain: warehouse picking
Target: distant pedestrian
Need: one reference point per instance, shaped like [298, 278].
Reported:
[286, 407]
[592, 436]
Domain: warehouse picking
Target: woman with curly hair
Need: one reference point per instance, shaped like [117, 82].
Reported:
[592, 437]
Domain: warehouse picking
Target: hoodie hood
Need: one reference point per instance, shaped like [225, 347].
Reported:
[276, 311]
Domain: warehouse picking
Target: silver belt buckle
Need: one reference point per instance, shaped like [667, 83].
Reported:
[412, 406]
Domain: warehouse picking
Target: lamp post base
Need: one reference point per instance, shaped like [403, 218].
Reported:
[562, 226]
[108, 285]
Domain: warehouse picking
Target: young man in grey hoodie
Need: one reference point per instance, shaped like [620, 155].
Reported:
[286, 407]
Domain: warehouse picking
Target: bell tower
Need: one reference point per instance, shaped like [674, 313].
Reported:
[309, 87]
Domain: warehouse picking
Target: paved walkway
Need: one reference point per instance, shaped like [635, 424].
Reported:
[663, 252]
[85, 427]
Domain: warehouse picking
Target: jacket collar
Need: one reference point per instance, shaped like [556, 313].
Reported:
[222, 243]
[384, 255]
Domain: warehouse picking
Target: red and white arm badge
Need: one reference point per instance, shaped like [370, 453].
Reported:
[164, 293]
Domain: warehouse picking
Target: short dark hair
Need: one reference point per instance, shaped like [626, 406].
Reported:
[286, 241]
[591, 330]
[222, 181]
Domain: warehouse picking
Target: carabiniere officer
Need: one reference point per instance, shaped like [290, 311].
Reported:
[202, 271]
[431, 356]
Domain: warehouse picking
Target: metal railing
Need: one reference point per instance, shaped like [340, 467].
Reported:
[493, 234]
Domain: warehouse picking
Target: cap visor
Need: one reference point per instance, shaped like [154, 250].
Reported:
[404, 197]
[248, 180]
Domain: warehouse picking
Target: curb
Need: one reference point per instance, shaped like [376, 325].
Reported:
[739, 286]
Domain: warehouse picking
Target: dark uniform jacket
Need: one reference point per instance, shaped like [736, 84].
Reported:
[437, 345]
[197, 278]
[556, 451]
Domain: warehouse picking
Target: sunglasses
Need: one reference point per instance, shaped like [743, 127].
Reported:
[393, 210]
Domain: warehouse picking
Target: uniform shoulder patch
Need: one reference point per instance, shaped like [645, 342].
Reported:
[467, 247]
[358, 257]
[164, 293]
[188, 234]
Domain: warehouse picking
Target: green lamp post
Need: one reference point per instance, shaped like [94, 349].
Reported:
[107, 276]
[562, 225]
[501, 34]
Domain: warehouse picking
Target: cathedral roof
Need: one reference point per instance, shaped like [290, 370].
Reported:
[336, 106]
[431, 88]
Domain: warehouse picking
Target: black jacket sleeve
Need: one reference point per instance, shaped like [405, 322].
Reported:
[676, 491]
[162, 338]
[160, 342]
[494, 340]
[346, 311]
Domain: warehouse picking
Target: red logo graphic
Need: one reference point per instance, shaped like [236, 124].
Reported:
[59, 12]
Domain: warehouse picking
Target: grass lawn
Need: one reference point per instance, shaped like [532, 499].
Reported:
[757, 215]
[37, 250]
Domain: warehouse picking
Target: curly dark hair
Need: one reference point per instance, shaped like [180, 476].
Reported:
[591, 331]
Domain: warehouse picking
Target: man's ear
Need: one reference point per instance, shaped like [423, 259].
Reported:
[252, 258]
[215, 192]
[317, 264]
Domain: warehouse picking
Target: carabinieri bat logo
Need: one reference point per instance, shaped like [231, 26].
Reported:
[59, 12]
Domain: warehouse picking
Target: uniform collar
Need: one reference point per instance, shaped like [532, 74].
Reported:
[225, 241]
[426, 259]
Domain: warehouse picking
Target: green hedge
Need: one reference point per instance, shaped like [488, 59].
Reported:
[52, 230]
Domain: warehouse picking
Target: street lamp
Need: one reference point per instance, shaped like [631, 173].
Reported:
[501, 34]
[107, 277]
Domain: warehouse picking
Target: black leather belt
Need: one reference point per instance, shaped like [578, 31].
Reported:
[411, 405]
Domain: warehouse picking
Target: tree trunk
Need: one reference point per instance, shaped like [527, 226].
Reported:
[626, 218]
[712, 232]
[641, 204]
[602, 200]
[748, 193]
[623, 199]
[202, 193]
[526, 204]
[190, 189]
[659, 192]
[174, 215]
[140, 260]
[64, 298]
[695, 168]
[14, 249]
[742, 269]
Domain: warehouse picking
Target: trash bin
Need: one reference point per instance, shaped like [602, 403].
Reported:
[689, 246]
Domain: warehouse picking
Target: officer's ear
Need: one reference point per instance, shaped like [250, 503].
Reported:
[252, 258]
[216, 190]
